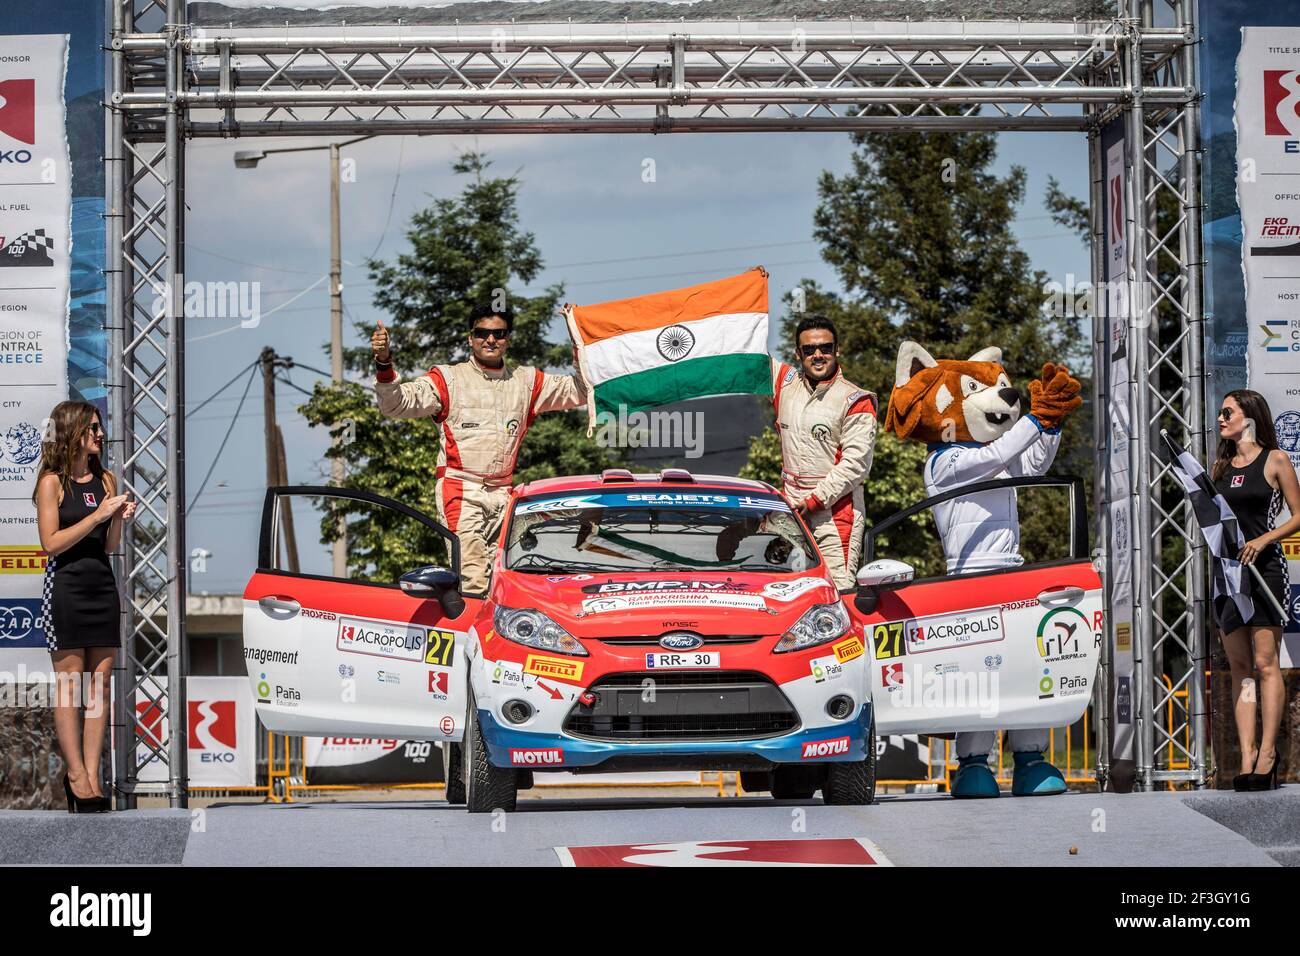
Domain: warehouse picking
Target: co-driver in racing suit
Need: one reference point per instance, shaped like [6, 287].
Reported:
[484, 409]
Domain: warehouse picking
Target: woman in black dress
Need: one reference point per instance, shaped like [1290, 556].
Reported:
[80, 515]
[1255, 477]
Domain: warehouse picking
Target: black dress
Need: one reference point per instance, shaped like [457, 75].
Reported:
[1256, 504]
[80, 604]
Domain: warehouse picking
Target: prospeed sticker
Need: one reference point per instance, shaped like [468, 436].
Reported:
[381, 639]
[789, 590]
[940, 632]
[626, 602]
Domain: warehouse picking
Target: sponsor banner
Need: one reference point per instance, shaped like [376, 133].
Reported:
[651, 499]
[400, 642]
[1268, 191]
[220, 729]
[35, 244]
[371, 760]
[683, 598]
[939, 632]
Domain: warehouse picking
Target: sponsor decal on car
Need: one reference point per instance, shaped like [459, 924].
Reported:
[281, 695]
[507, 674]
[322, 615]
[816, 749]
[1068, 685]
[888, 640]
[789, 590]
[440, 684]
[539, 757]
[623, 587]
[826, 668]
[939, 632]
[388, 677]
[1063, 635]
[441, 646]
[626, 602]
[381, 639]
[556, 668]
[848, 649]
[892, 676]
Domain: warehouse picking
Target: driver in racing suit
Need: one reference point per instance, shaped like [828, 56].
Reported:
[827, 427]
[484, 409]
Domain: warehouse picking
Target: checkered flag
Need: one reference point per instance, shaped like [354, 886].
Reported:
[33, 248]
[1218, 526]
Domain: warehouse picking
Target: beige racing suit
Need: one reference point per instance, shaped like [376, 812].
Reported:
[828, 435]
[484, 414]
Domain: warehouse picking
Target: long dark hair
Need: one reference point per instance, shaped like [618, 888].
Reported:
[68, 422]
[1258, 416]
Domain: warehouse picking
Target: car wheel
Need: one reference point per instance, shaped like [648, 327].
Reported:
[754, 781]
[853, 784]
[453, 772]
[794, 783]
[487, 788]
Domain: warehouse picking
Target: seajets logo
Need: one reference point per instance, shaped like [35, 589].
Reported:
[74, 908]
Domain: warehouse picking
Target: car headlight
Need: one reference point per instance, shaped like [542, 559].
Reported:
[819, 624]
[534, 629]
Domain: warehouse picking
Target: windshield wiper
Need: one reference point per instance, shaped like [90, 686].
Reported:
[539, 565]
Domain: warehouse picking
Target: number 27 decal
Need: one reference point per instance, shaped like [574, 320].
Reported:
[441, 644]
[888, 640]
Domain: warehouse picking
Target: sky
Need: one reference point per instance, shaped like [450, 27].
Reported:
[718, 205]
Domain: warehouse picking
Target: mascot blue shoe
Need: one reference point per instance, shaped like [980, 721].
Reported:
[973, 779]
[1035, 777]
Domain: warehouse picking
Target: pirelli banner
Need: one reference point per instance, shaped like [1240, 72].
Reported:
[35, 244]
[1268, 189]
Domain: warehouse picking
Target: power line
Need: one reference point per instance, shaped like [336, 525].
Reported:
[222, 447]
[221, 389]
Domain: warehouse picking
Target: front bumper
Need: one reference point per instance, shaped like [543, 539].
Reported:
[837, 742]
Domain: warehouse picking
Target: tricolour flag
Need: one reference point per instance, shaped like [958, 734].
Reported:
[1218, 526]
[652, 350]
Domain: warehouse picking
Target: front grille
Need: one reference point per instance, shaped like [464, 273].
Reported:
[645, 641]
[684, 705]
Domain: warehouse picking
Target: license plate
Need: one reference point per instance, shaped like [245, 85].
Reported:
[680, 660]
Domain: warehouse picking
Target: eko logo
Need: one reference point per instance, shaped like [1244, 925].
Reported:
[212, 730]
[1282, 103]
[18, 118]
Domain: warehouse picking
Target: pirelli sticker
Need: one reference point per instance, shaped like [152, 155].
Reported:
[848, 649]
[21, 559]
[1291, 547]
[556, 668]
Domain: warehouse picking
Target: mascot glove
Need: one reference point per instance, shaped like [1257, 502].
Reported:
[1054, 396]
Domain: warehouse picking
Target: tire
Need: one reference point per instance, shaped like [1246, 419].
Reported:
[453, 772]
[487, 788]
[853, 784]
[794, 782]
[755, 781]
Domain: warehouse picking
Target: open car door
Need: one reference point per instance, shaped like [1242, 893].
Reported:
[1015, 648]
[358, 656]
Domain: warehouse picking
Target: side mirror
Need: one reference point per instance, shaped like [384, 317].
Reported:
[434, 581]
[872, 577]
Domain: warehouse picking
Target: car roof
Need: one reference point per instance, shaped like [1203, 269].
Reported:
[657, 479]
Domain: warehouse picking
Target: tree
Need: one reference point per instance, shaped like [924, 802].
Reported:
[919, 231]
[463, 249]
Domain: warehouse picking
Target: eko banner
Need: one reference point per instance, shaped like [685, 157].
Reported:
[1268, 187]
[35, 247]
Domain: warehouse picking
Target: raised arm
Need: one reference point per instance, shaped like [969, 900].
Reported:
[556, 393]
[424, 397]
[964, 465]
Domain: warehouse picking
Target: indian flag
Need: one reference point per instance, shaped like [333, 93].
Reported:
[708, 339]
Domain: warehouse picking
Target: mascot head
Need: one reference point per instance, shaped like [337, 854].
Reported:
[946, 400]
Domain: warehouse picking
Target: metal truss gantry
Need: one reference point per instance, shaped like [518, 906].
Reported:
[172, 83]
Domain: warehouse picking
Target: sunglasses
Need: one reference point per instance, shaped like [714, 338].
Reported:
[97, 429]
[808, 351]
[481, 334]
[1225, 413]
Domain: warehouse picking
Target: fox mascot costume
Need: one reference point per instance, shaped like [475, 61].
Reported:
[970, 416]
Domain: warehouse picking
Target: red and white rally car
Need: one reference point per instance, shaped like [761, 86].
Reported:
[665, 622]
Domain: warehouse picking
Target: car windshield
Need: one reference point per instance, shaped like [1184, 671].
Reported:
[656, 530]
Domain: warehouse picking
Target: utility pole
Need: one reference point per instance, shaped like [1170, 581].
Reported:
[277, 471]
[336, 349]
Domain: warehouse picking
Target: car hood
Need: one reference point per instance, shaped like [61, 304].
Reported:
[649, 604]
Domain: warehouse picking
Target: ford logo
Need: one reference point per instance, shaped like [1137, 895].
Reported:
[681, 641]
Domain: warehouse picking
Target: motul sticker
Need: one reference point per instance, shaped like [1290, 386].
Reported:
[848, 649]
[542, 757]
[557, 668]
[816, 749]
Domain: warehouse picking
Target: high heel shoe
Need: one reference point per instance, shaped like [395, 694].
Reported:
[78, 804]
[1241, 782]
[1265, 781]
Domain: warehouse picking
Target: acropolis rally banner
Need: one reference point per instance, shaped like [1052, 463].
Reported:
[1268, 188]
[35, 247]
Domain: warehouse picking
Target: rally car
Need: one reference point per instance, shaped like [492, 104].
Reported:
[664, 622]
